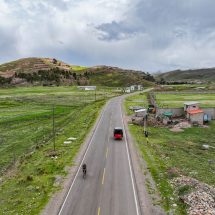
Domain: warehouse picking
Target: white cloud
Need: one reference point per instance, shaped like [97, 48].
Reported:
[144, 34]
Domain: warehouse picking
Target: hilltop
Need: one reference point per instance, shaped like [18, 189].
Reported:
[50, 71]
[203, 75]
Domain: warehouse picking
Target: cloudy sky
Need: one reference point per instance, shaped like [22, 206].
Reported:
[149, 35]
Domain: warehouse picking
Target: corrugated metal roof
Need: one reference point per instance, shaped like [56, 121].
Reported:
[191, 103]
[168, 114]
[140, 110]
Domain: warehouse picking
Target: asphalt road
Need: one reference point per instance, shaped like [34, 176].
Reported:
[109, 188]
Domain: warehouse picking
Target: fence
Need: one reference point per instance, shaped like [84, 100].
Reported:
[175, 111]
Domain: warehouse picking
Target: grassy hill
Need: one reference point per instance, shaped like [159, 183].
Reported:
[113, 76]
[47, 71]
[204, 75]
[32, 64]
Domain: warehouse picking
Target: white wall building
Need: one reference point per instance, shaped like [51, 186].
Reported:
[140, 113]
[136, 87]
[139, 87]
[87, 87]
[191, 106]
[132, 88]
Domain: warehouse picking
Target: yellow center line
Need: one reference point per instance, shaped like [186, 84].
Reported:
[103, 178]
[107, 153]
[98, 211]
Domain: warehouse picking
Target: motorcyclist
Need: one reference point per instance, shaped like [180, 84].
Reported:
[84, 169]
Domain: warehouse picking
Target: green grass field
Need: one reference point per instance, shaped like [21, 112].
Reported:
[78, 68]
[26, 140]
[181, 151]
[177, 100]
[186, 87]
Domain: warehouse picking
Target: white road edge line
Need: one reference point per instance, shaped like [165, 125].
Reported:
[88, 147]
[129, 162]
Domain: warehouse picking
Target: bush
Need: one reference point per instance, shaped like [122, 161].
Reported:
[29, 178]
[182, 190]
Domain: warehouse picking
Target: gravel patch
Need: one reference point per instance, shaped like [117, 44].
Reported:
[201, 198]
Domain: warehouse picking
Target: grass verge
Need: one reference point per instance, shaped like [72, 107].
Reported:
[169, 154]
[29, 173]
[30, 183]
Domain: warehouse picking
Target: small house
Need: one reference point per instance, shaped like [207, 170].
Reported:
[139, 87]
[191, 106]
[195, 116]
[87, 87]
[132, 88]
[135, 88]
[127, 90]
[140, 113]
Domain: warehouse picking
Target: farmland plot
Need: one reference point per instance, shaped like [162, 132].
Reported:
[177, 100]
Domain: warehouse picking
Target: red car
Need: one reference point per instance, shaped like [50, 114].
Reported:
[118, 133]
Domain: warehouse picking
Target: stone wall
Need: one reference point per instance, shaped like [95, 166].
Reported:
[175, 111]
[210, 112]
[180, 111]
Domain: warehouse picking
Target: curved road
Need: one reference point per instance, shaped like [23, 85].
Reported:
[109, 188]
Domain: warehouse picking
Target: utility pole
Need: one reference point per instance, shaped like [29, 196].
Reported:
[53, 125]
[146, 133]
[145, 125]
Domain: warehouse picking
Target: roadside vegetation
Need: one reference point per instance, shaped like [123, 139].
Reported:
[170, 154]
[30, 168]
[136, 100]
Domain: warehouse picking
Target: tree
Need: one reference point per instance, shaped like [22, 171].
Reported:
[74, 76]
[162, 81]
[54, 61]
[149, 77]
[86, 75]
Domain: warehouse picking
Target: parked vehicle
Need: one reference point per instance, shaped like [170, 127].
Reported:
[118, 133]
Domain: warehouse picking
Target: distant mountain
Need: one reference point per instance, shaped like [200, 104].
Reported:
[48, 71]
[196, 75]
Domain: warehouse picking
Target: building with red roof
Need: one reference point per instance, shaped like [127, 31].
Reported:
[193, 113]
